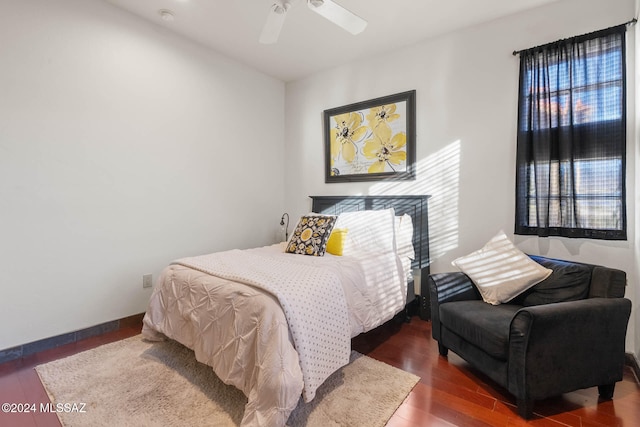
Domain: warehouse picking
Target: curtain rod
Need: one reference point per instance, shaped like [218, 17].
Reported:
[628, 23]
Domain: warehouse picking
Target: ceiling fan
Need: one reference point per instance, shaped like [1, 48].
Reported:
[328, 9]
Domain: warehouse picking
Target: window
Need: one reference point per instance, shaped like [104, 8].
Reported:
[571, 138]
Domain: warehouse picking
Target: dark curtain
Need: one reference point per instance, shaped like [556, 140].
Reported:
[571, 138]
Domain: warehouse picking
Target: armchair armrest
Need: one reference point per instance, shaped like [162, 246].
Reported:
[446, 287]
[556, 348]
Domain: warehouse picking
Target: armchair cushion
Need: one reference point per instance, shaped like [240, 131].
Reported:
[480, 324]
[568, 282]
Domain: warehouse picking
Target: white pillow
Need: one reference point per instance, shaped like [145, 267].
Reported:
[501, 271]
[404, 236]
[368, 231]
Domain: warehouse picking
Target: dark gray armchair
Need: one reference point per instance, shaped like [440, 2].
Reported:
[566, 333]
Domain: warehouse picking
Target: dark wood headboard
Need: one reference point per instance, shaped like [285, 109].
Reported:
[416, 206]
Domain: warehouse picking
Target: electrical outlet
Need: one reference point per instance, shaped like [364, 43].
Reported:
[147, 281]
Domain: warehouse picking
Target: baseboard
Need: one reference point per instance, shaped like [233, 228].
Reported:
[68, 338]
[632, 362]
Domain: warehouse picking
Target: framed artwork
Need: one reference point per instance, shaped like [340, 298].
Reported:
[371, 140]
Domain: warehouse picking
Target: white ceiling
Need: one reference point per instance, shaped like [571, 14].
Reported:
[308, 42]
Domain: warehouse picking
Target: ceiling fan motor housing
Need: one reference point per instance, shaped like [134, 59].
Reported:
[281, 7]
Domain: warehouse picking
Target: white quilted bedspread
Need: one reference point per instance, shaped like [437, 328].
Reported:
[223, 306]
[312, 300]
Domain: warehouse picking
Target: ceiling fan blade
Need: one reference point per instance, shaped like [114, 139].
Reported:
[273, 25]
[337, 14]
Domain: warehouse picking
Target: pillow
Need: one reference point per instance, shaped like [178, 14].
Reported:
[404, 236]
[501, 271]
[335, 244]
[311, 234]
[369, 231]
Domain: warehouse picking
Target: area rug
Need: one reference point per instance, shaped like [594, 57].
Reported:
[134, 382]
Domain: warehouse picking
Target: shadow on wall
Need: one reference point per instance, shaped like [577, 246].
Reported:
[437, 175]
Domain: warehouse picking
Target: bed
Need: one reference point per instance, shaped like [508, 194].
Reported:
[276, 324]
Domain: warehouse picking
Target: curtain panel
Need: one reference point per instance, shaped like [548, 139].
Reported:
[571, 143]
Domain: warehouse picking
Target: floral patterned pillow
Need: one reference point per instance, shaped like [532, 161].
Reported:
[311, 234]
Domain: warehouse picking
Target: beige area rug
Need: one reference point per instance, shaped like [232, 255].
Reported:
[138, 383]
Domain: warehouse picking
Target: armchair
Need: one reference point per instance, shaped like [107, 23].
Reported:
[534, 346]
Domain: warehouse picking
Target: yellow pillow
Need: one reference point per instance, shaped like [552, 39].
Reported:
[336, 241]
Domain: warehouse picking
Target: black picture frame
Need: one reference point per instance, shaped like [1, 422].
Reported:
[371, 140]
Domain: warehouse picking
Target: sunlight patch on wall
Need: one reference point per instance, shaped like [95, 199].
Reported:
[437, 175]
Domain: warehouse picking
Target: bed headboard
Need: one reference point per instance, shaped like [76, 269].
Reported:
[416, 206]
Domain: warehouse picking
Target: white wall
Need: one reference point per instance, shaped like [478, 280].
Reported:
[122, 147]
[467, 94]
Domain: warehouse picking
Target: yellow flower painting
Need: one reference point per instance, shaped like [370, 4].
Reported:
[371, 140]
